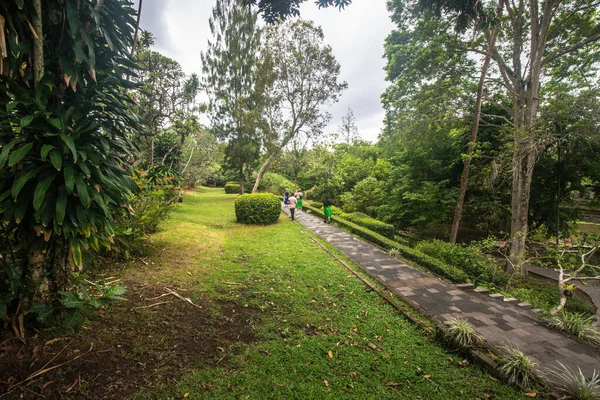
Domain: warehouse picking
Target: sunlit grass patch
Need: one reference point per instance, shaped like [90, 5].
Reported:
[319, 332]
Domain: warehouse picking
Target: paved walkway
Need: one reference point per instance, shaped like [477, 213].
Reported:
[500, 321]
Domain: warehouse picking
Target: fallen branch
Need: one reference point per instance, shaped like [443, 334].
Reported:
[43, 370]
[186, 299]
[232, 283]
[158, 297]
[152, 305]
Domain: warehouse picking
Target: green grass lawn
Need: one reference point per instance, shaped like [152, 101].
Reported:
[317, 333]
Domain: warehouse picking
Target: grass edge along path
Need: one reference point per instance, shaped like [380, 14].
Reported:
[319, 333]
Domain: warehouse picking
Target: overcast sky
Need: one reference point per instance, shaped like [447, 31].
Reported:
[355, 34]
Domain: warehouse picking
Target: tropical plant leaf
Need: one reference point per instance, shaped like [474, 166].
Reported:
[26, 120]
[6, 149]
[21, 181]
[61, 206]
[70, 144]
[44, 312]
[45, 150]
[40, 192]
[76, 251]
[56, 159]
[73, 315]
[69, 178]
[19, 154]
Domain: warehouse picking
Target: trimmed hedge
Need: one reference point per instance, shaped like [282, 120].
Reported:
[373, 224]
[415, 256]
[232, 188]
[258, 209]
[477, 267]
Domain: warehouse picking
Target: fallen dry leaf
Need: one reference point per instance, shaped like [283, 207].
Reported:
[531, 394]
[394, 384]
[372, 346]
[352, 374]
[427, 376]
[330, 354]
[326, 383]
[186, 395]
[492, 378]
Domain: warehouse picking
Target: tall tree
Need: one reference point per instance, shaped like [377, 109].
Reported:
[348, 129]
[229, 67]
[305, 81]
[277, 10]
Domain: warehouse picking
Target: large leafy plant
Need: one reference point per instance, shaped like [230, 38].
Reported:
[64, 133]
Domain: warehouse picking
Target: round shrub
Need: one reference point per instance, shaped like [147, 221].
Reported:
[259, 209]
[232, 188]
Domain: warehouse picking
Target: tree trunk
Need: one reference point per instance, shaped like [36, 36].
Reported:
[241, 178]
[523, 163]
[3, 51]
[464, 180]
[137, 28]
[261, 173]
[38, 43]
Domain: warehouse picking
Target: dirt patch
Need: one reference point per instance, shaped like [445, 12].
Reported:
[126, 348]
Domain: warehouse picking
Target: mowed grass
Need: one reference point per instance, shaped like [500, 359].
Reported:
[318, 333]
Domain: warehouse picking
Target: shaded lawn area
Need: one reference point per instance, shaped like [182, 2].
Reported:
[279, 319]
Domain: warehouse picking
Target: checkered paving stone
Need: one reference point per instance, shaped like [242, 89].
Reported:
[500, 323]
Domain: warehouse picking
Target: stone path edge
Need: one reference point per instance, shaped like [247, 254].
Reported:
[545, 350]
[430, 316]
[476, 355]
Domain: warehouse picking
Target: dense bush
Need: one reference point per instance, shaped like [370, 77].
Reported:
[275, 183]
[316, 204]
[415, 256]
[260, 209]
[466, 258]
[150, 206]
[373, 224]
[232, 188]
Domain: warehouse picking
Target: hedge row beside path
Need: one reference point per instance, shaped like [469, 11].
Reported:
[408, 253]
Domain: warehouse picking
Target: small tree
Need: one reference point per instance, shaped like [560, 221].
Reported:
[566, 275]
[306, 79]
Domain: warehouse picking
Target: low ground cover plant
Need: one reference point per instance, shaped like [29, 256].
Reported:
[577, 324]
[518, 369]
[574, 385]
[258, 209]
[461, 335]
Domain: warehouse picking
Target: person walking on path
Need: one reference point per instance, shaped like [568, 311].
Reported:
[286, 197]
[292, 200]
[299, 198]
[327, 210]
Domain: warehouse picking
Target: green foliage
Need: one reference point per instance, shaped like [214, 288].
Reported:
[65, 140]
[574, 385]
[276, 184]
[84, 296]
[230, 81]
[576, 324]
[232, 188]
[87, 296]
[415, 256]
[518, 369]
[460, 334]
[372, 224]
[276, 10]
[466, 258]
[257, 209]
